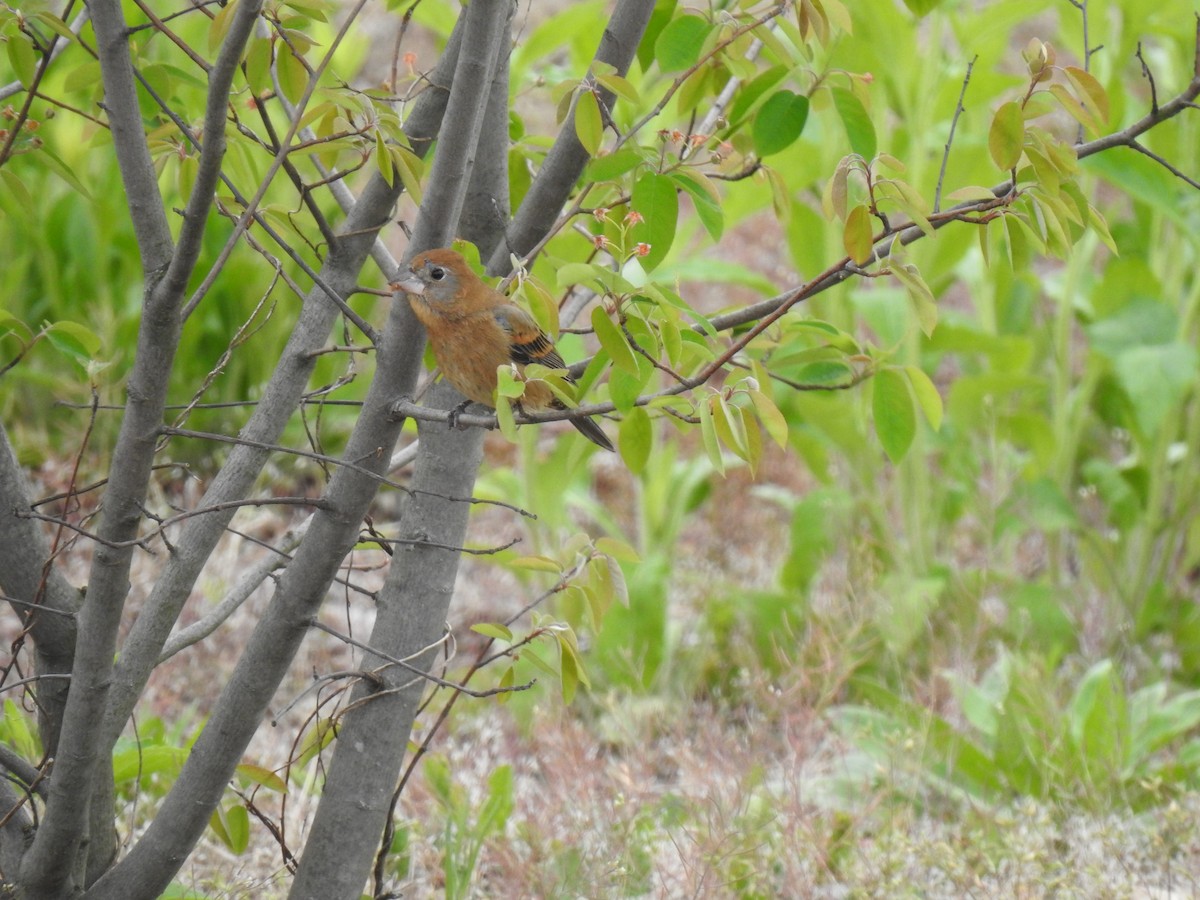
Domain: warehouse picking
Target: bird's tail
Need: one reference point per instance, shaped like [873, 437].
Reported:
[590, 430]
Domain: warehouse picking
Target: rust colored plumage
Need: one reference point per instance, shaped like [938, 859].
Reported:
[473, 329]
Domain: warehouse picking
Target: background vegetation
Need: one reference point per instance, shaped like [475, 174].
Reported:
[943, 637]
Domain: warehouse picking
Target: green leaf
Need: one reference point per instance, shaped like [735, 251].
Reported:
[856, 235]
[1090, 92]
[621, 87]
[1007, 136]
[705, 200]
[55, 24]
[728, 426]
[493, 630]
[613, 341]
[383, 159]
[895, 418]
[1098, 720]
[505, 420]
[635, 439]
[411, 168]
[753, 91]
[570, 667]
[617, 549]
[609, 166]
[74, 339]
[237, 827]
[856, 121]
[535, 564]
[17, 733]
[65, 172]
[219, 26]
[1080, 111]
[920, 297]
[17, 187]
[655, 199]
[770, 416]
[135, 762]
[556, 34]
[779, 122]
[922, 8]
[22, 57]
[709, 435]
[928, 397]
[542, 306]
[589, 125]
[1156, 379]
[293, 77]
[499, 803]
[679, 44]
[263, 777]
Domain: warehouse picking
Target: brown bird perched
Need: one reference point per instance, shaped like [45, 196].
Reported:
[474, 328]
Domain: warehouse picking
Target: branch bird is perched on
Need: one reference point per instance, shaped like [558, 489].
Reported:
[473, 329]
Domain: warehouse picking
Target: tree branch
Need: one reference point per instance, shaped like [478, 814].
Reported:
[567, 157]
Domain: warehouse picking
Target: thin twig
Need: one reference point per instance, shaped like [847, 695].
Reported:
[958, 110]
[405, 664]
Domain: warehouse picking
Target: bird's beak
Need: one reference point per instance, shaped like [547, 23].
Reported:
[409, 284]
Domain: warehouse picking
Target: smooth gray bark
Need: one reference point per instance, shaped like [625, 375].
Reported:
[413, 603]
[28, 577]
[57, 856]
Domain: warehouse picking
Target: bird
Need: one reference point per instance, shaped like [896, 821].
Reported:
[473, 329]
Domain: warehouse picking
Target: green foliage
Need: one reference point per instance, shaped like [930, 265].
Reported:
[1100, 745]
[467, 827]
[146, 766]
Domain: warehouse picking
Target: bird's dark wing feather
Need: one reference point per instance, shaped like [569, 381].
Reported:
[527, 342]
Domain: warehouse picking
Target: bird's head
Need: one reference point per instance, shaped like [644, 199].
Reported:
[435, 276]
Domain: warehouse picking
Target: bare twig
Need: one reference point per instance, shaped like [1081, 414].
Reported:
[417, 671]
[958, 110]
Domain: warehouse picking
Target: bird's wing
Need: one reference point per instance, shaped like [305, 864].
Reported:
[527, 342]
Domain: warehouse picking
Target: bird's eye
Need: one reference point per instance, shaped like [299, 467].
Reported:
[437, 273]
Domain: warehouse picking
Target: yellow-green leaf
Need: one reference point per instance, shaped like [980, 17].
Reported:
[613, 341]
[493, 630]
[622, 87]
[856, 235]
[505, 420]
[928, 397]
[617, 549]
[709, 435]
[383, 159]
[535, 564]
[656, 201]
[263, 777]
[895, 418]
[1078, 110]
[1090, 92]
[919, 295]
[1007, 136]
[22, 57]
[411, 168]
[772, 419]
[219, 26]
[19, 191]
[589, 126]
[635, 439]
[542, 306]
[293, 77]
